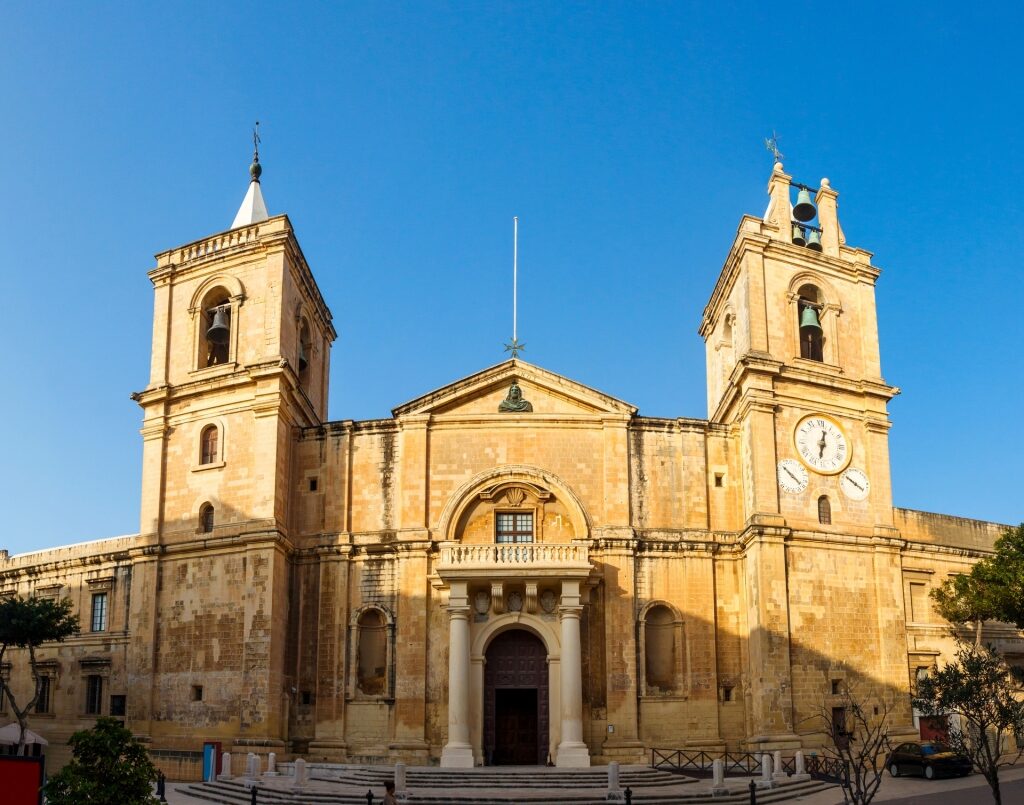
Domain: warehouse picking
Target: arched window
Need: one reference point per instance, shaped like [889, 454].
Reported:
[209, 445]
[206, 518]
[372, 653]
[662, 650]
[824, 510]
[809, 308]
[305, 355]
[215, 323]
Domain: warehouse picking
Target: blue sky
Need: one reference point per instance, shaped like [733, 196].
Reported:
[402, 138]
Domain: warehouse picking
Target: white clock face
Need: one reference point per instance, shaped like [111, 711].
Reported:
[854, 483]
[792, 476]
[822, 444]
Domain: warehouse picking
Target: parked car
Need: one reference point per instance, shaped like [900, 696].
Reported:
[928, 758]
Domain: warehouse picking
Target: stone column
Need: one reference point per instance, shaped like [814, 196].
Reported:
[572, 752]
[458, 753]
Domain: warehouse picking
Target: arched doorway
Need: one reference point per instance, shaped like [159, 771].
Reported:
[516, 709]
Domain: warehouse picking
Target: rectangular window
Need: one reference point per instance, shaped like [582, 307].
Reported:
[99, 612]
[118, 705]
[513, 527]
[43, 700]
[94, 695]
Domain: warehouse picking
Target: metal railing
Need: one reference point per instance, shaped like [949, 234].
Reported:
[700, 764]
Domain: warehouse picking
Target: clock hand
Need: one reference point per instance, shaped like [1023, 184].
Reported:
[822, 444]
[789, 472]
[861, 488]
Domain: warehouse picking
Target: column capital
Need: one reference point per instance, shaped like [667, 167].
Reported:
[457, 612]
[572, 611]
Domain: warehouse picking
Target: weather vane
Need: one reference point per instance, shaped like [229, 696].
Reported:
[772, 144]
[256, 142]
[515, 347]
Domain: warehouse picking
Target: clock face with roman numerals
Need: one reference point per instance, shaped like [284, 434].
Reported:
[821, 444]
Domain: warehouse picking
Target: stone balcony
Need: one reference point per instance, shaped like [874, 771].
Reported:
[513, 561]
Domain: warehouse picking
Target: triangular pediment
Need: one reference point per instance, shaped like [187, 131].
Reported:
[547, 393]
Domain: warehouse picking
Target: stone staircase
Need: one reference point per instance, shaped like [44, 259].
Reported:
[348, 785]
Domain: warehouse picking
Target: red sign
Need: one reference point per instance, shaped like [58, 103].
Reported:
[21, 780]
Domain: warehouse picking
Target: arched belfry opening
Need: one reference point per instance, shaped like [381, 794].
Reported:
[516, 700]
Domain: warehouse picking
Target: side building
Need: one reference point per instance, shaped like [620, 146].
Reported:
[514, 568]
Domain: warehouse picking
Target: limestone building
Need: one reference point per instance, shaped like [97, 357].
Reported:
[513, 568]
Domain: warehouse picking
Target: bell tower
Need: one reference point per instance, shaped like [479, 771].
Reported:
[240, 359]
[794, 375]
[793, 365]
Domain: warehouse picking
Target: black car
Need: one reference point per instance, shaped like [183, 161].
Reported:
[928, 758]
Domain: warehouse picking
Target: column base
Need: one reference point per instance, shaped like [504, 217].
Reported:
[573, 756]
[457, 756]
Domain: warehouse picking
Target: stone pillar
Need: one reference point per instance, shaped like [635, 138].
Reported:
[779, 774]
[766, 772]
[225, 766]
[252, 766]
[271, 765]
[718, 777]
[300, 773]
[801, 768]
[614, 790]
[400, 792]
[572, 752]
[458, 753]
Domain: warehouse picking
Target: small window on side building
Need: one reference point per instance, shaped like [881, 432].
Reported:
[118, 705]
[99, 612]
[43, 695]
[94, 695]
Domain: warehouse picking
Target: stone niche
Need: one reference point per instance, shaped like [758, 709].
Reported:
[550, 519]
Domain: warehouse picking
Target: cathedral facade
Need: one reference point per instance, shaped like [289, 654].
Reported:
[513, 568]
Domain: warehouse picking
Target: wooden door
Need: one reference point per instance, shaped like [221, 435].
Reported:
[516, 700]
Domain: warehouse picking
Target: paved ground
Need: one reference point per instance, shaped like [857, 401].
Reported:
[971, 790]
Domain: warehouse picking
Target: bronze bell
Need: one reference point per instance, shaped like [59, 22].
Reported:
[814, 240]
[303, 360]
[220, 329]
[798, 235]
[804, 209]
[809, 320]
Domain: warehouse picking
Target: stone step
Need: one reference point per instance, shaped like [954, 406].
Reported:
[236, 793]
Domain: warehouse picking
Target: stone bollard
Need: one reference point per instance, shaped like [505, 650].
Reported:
[801, 768]
[225, 766]
[250, 765]
[779, 774]
[718, 787]
[300, 778]
[400, 791]
[766, 772]
[614, 789]
[271, 765]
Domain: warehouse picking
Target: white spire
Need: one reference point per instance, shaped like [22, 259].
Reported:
[253, 209]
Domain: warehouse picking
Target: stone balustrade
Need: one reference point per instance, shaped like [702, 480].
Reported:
[530, 557]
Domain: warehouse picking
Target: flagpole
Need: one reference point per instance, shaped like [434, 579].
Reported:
[515, 272]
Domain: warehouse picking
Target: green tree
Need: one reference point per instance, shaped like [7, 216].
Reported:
[109, 767]
[979, 689]
[994, 589]
[27, 623]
